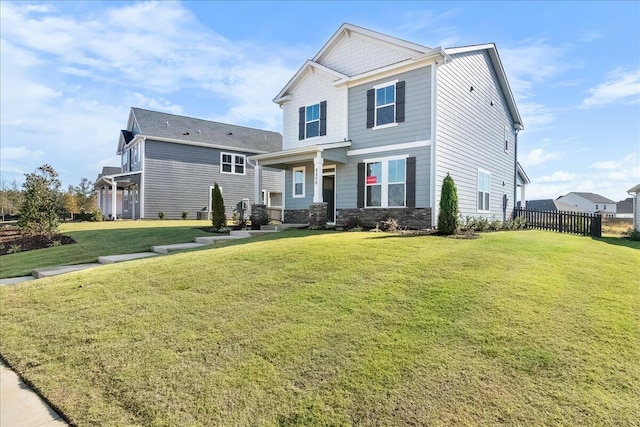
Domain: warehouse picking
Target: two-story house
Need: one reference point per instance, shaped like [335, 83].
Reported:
[170, 164]
[372, 125]
[589, 202]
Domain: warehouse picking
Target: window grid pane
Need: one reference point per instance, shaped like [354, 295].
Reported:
[374, 195]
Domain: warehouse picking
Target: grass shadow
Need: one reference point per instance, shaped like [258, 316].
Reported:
[618, 241]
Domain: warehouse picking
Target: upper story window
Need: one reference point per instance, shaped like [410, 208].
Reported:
[125, 160]
[232, 163]
[298, 181]
[136, 154]
[385, 104]
[312, 120]
[385, 183]
[484, 190]
[506, 139]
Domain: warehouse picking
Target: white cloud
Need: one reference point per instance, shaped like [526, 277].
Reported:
[19, 153]
[538, 156]
[557, 176]
[535, 116]
[622, 86]
[139, 100]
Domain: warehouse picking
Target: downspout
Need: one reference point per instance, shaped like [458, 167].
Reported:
[515, 174]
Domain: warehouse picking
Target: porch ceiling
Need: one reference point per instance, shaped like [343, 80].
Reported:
[334, 152]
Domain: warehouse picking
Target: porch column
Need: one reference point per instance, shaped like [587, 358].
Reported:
[523, 202]
[114, 195]
[257, 196]
[318, 161]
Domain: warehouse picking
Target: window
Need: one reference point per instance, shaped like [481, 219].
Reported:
[484, 190]
[232, 163]
[298, 182]
[385, 105]
[597, 207]
[604, 207]
[312, 121]
[125, 161]
[385, 183]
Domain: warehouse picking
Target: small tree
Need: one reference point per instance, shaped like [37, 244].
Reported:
[218, 217]
[42, 205]
[448, 216]
[70, 203]
[84, 195]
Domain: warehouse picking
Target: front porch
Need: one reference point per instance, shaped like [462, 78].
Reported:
[319, 207]
[118, 195]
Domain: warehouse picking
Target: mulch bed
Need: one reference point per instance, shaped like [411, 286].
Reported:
[12, 240]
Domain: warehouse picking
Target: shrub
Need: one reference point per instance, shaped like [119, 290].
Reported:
[495, 224]
[390, 224]
[161, 215]
[43, 202]
[519, 222]
[259, 217]
[448, 215]
[633, 234]
[185, 214]
[353, 222]
[97, 215]
[14, 249]
[218, 217]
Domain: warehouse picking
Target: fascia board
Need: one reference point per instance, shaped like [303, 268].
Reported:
[282, 95]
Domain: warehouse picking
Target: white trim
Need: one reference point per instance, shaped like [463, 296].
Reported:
[389, 104]
[387, 125]
[233, 163]
[327, 171]
[391, 147]
[389, 83]
[283, 97]
[142, 187]
[384, 181]
[434, 158]
[301, 150]
[486, 172]
[293, 182]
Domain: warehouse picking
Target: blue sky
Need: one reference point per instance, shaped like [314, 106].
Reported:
[70, 71]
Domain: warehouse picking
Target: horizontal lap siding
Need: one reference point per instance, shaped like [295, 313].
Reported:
[417, 124]
[299, 202]
[470, 132]
[178, 178]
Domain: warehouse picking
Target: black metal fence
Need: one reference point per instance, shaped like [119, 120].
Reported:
[584, 224]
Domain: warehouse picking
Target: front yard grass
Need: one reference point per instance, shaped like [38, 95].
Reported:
[96, 239]
[519, 328]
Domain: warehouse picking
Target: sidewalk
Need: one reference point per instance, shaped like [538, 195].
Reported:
[20, 406]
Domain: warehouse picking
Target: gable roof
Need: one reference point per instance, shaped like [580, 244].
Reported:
[625, 206]
[418, 52]
[109, 170]
[541, 205]
[198, 131]
[634, 189]
[592, 197]
[502, 76]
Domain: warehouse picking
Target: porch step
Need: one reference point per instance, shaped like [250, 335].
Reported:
[110, 259]
[165, 249]
[280, 227]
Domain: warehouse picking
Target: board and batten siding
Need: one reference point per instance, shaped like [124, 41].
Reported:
[470, 133]
[179, 177]
[417, 122]
[316, 86]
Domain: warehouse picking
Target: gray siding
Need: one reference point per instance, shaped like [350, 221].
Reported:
[417, 124]
[347, 177]
[299, 202]
[470, 132]
[178, 178]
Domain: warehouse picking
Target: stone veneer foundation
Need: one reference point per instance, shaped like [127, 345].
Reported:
[414, 218]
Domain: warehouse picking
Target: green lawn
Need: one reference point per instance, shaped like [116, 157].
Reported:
[518, 328]
[96, 239]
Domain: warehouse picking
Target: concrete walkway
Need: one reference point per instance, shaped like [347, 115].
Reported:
[19, 406]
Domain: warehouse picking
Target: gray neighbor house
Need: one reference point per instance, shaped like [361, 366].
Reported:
[170, 164]
[372, 124]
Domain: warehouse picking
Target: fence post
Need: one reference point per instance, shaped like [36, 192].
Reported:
[596, 226]
[560, 217]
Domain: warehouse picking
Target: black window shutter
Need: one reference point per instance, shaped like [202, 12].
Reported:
[400, 102]
[301, 123]
[411, 182]
[361, 178]
[371, 108]
[323, 118]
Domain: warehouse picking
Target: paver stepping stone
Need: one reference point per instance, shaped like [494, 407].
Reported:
[209, 240]
[39, 273]
[15, 280]
[110, 259]
[165, 249]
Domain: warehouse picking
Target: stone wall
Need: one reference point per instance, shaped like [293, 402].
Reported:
[296, 216]
[414, 218]
[318, 214]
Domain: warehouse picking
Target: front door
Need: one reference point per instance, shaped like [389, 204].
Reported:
[328, 196]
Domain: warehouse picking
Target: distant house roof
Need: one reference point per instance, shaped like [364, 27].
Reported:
[625, 206]
[109, 170]
[189, 129]
[541, 205]
[592, 197]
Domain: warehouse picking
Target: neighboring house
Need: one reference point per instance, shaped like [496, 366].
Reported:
[624, 208]
[104, 196]
[170, 164]
[635, 192]
[551, 205]
[373, 124]
[590, 203]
